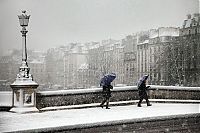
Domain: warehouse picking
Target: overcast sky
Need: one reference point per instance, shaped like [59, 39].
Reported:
[58, 22]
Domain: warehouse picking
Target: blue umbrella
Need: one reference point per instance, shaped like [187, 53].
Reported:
[107, 79]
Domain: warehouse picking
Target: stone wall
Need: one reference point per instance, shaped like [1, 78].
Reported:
[188, 123]
[83, 96]
[168, 124]
[87, 96]
[175, 92]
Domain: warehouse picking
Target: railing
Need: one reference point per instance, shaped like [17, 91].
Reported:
[93, 95]
[127, 93]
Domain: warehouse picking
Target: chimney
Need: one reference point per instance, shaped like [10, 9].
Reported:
[189, 16]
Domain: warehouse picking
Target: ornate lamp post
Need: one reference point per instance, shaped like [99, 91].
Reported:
[24, 95]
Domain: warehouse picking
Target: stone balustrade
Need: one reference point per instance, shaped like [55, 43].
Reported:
[127, 93]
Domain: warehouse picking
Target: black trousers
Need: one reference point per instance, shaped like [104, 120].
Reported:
[105, 99]
[106, 96]
[143, 95]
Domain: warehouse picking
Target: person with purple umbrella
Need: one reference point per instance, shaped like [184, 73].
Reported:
[142, 88]
[106, 84]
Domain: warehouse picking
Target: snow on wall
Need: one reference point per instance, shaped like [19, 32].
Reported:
[157, 87]
[81, 91]
[126, 88]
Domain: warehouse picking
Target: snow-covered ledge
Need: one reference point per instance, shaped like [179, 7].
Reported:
[159, 87]
[115, 89]
[83, 91]
[75, 91]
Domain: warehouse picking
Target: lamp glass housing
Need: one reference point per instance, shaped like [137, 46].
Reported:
[23, 20]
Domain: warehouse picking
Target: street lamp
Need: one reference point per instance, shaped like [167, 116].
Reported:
[23, 88]
[23, 20]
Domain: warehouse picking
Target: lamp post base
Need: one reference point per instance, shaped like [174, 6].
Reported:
[24, 110]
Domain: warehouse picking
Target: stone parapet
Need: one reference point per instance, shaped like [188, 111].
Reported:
[88, 96]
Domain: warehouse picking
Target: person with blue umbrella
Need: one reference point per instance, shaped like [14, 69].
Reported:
[142, 88]
[106, 84]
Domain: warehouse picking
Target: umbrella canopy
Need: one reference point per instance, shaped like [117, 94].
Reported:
[142, 79]
[107, 79]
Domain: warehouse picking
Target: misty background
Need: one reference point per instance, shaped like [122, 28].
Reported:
[58, 22]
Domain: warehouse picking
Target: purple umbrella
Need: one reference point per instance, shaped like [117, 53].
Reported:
[107, 79]
[142, 79]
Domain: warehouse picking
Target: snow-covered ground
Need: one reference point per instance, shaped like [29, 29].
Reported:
[15, 122]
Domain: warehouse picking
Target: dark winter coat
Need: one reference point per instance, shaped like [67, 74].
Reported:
[106, 84]
[106, 91]
[142, 87]
[141, 83]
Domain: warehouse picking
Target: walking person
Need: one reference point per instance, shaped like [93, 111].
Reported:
[142, 88]
[106, 84]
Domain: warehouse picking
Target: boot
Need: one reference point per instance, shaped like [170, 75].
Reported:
[139, 105]
[148, 103]
[107, 102]
[101, 105]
